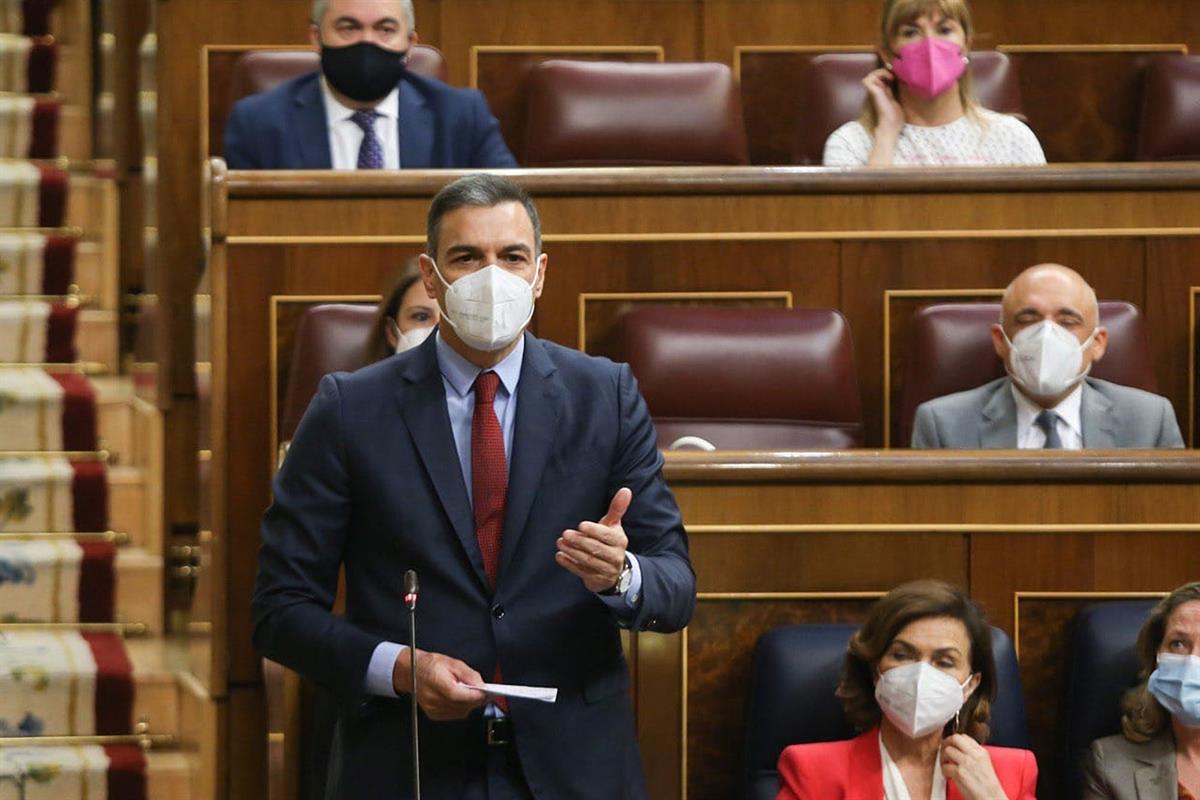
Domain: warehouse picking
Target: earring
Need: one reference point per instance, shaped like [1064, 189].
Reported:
[956, 713]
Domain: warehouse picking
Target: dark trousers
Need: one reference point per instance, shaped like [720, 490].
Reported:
[503, 780]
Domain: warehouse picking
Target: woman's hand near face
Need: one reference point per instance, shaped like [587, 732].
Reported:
[888, 111]
[968, 764]
[889, 116]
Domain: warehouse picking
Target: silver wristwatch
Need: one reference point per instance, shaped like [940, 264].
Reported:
[624, 579]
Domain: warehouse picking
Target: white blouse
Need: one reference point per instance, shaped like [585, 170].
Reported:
[994, 140]
[893, 781]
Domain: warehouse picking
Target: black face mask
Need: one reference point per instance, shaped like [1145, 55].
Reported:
[363, 71]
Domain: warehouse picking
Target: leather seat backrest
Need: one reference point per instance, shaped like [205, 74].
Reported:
[746, 378]
[607, 113]
[1170, 124]
[1103, 665]
[329, 338]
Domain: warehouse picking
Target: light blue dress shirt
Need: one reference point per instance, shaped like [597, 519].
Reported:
[458, 378]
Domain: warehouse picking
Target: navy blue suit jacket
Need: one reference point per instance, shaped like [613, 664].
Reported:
[441, 127]
[372, 481]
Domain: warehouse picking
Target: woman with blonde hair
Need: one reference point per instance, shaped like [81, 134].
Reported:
[919, 679]
[1157, 753]
[920, 107]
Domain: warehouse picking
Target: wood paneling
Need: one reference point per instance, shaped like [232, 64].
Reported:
[1170, 295]
[1084, 106]
[729, 23]
[673, 25]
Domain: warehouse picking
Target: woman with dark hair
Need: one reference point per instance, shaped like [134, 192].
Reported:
[919, 679]
[1157, 753]
[405, 316]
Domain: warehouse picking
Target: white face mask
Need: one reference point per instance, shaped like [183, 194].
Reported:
[918, 698]
[1046, 359]
[411, 339]
[489, 308]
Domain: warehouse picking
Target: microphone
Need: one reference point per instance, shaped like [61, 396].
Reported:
[410, 600]
[410, 589]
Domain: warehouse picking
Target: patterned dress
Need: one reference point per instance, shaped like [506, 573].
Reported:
[991, 140]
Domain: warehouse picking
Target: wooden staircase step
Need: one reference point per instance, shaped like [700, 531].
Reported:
[157, 663]
[168, 776]
[140, 588]
[96, 338]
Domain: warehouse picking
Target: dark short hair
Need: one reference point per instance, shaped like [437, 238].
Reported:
[1142, 716]
[479, 191]
[903, 605]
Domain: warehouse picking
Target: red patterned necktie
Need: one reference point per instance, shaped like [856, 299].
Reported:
[489, 473]
[489, 483]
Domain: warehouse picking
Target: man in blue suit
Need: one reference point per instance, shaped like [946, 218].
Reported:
[521, 480]
[364, 109]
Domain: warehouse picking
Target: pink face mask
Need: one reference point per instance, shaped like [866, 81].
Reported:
[930, 66]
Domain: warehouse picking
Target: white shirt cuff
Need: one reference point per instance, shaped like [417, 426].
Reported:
[379, 671]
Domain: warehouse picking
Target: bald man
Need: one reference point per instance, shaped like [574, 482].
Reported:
[1048, 338]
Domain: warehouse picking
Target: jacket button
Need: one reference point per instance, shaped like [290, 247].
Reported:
[498, 611]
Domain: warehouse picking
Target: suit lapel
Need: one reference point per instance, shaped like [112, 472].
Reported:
[428, 421]
[865, 779]
[1151, 783]
[999, 429]
[1098, 419]
[415, 129]
[1155, 776]
[539, 407]
[309, 125]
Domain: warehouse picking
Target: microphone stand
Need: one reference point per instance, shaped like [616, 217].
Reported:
[410, 600]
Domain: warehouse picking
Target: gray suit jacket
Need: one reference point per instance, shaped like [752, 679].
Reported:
[1113, 417]
[1118, 769]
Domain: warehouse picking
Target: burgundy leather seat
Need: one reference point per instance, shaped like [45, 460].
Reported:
[259, 70]
[603, 113]
[747, 378]
[329, 338]
[950, 350]
[832, 94]
[1170, 125]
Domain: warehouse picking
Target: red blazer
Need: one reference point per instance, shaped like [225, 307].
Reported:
[852, 770]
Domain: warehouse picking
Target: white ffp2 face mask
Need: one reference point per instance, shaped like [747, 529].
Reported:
[1046, 359]
[488, 308]
[918, 698]
[411, 339]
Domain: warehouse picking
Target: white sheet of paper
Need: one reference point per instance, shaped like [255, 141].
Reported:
[544, 694]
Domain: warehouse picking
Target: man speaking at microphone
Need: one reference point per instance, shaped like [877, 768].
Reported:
[521, 480]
